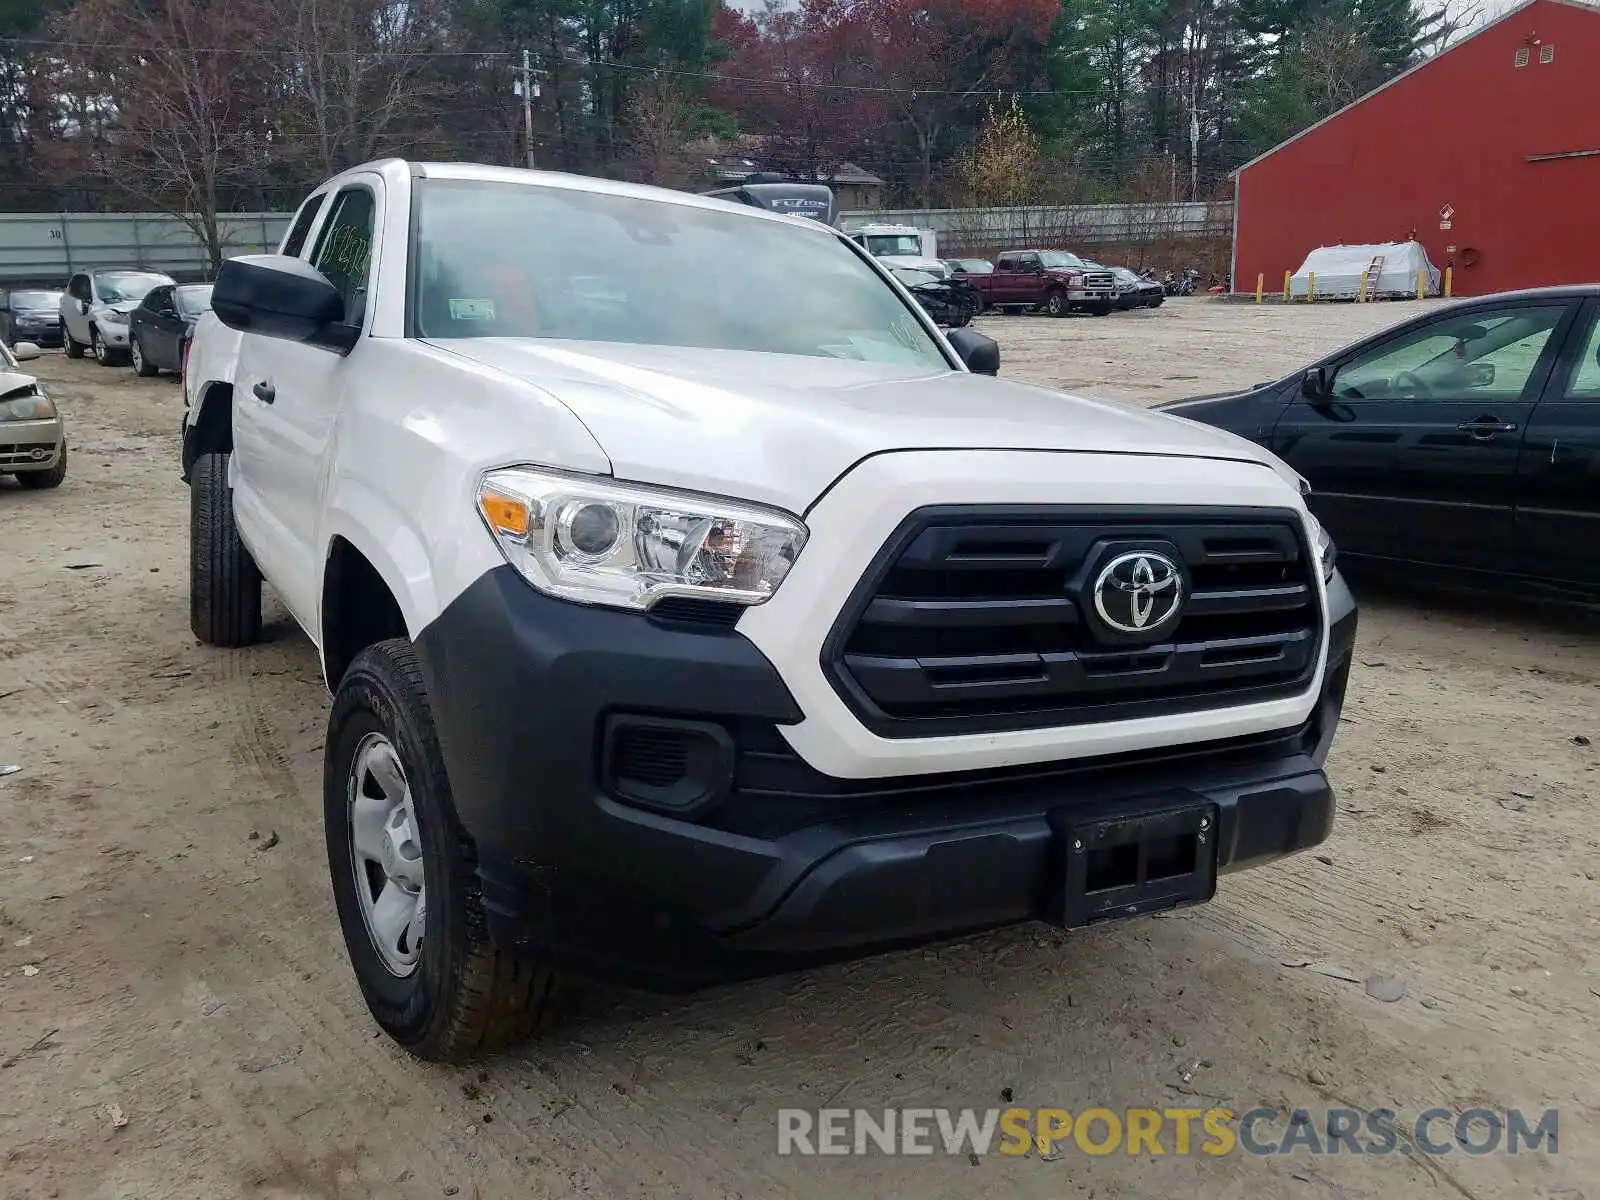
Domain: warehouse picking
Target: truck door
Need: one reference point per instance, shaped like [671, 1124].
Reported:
[1558, 477]
[286, 398]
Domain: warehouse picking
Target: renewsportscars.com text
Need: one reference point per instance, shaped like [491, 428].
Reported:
[1376, 1132]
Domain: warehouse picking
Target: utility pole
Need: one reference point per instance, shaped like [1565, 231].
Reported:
[527, 105]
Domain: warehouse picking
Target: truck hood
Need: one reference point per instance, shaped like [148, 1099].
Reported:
[779, 428]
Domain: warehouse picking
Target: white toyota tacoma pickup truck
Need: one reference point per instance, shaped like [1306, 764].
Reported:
[694, 608]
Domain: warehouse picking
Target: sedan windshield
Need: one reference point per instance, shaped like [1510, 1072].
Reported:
[1060, 258]
[35, 301]
[499, 259]
[114, 287]
[194, 299]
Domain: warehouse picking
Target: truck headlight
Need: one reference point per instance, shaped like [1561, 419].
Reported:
[28, 408]
[1327, 552]
[597, 541]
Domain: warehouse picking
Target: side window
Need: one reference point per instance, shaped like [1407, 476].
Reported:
[158, 299]
[1585, 383]
[1489, 354]
[344, 249]
[1027, 262]
[1005, 262]
[78, 289]
[295, 240]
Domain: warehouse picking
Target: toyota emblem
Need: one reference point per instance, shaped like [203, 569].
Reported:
[1139, 592]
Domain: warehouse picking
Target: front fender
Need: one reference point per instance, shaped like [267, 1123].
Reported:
[385, 536]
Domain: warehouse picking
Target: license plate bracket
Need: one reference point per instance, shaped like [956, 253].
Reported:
[1131, 864]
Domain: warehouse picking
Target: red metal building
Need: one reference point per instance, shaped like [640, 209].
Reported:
[1489, 154]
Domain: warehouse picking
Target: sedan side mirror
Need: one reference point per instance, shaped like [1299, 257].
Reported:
[1314, 386]
[25, 351]
[281, 297]
[980, 353]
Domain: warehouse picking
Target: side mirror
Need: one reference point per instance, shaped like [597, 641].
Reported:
[281, 297]
[980, 353]
[1480, 375]
[25, 351]
[83, 307]
[1315, 386]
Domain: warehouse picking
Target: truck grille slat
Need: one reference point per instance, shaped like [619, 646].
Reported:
[981, 620]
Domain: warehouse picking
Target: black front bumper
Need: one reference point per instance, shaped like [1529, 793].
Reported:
[774, 865]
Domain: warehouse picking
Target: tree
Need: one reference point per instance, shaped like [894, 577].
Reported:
[180, 120]
[662, 119]
[356, 79]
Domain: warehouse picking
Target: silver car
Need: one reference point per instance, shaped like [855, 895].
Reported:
[33, 439]
[96, 306]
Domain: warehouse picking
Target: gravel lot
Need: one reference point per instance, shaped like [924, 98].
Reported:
[168, 948]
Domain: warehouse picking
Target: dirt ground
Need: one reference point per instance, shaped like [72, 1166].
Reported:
[169, 953]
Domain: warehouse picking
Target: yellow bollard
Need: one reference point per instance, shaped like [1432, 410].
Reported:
[1422, 283]
[1449, 273]
[1311, 287]
[1287, 276]
[1261, 282]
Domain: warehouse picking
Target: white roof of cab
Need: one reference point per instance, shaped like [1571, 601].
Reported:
[578, 183]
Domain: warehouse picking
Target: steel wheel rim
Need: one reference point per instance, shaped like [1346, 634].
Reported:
[386, 855]
[99, 345]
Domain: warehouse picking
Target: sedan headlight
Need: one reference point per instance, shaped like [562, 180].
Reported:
[28, 408]
[596, 541]
[111, 317]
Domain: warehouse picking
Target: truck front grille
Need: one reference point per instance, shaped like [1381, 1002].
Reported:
[1100, 281]
[984, 619]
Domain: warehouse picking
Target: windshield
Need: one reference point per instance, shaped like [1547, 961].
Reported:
[914, 278]
[880, 244]
[973, 266]
[35, 301]
[194, 299]
[113, 287]
[1059, 258]
[517, 260]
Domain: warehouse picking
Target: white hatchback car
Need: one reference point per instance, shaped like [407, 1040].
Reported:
[95, 310]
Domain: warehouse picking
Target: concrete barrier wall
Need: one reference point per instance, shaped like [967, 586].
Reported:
[46, 248]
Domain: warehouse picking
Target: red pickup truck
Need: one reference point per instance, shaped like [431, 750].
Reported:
[1050, 280]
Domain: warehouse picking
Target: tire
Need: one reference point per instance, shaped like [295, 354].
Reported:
[224, 583]
[141, 365]
[1099, 310]
[1056, 303]
[102, 352]
[74, 347]
[978, 305]
[40, 480]
[457, 996]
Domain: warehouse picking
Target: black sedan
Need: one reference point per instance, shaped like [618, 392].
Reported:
[160, 328]
[1136, 291]
[1462, 445]
[31, 316]
[950, 302]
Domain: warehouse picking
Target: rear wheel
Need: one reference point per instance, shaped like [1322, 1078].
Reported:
[404, 882]
[224, 584]
[74, 347]
[141, 365]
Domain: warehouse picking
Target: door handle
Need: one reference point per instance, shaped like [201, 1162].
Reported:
[265, 392]
[1485, 428]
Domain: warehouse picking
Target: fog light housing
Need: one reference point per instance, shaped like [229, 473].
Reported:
[667, 765]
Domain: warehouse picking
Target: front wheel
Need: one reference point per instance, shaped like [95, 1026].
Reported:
[1056, 304]
[103, 354]
[74, 347]
[224, 583]
[403, 874]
